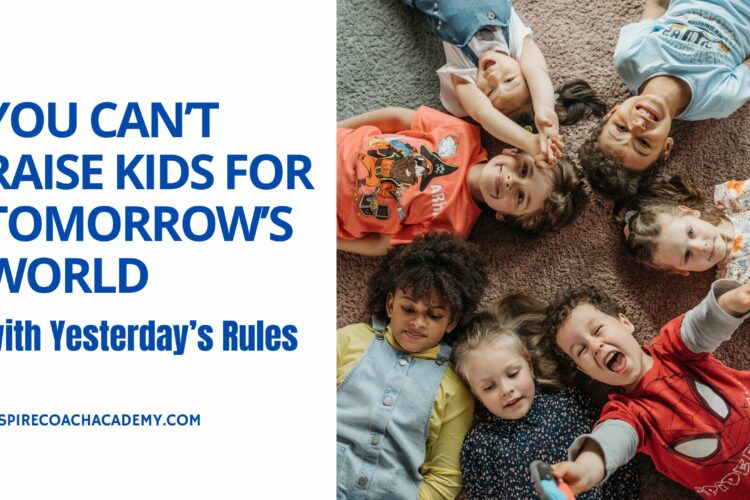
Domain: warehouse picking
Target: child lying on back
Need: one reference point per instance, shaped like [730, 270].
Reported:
[402, 173]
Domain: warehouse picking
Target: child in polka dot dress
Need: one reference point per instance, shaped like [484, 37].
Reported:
[524, 415]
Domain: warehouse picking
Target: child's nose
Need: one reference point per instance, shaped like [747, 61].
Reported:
[639, 123]
[509, 180]
[418, 321]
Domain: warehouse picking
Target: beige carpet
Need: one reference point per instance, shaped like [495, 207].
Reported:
[387, 56]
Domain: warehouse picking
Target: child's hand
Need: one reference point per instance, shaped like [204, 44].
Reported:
[577, 476]
[548, 125]
[544, 150]
[736, 302]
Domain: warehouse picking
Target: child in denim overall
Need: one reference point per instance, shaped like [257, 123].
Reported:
[496, 74]
[402, 412]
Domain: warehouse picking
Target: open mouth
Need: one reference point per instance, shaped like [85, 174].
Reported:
[488, 63]
[615, 362]
[647, 112]
[513, 403]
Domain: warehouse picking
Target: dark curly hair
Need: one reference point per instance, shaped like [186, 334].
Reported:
[609, 177]
[516, 321]
[436, 262]
[640, 212]
[566, 199]
[564, 304]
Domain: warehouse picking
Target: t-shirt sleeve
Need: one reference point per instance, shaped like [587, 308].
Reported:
[456, 63]
[627, 50]
[729, 94]
[733, 195]
[707, 325]
[517, 33]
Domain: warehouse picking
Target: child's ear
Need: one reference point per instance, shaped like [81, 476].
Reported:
[452, 325]
[626, 322]
[667, 147]
[509, 151]
[389, 304]
[679, 272]
[500, 216]
[688, 210]
[609, 113]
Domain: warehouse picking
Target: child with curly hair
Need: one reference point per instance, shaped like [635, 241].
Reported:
[402, 173]
[672, 227]
[673, 401]
[684, 59]
[495, 73]
[527, 412]
[402, 412]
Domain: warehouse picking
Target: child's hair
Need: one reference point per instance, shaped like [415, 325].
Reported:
[561, 307]
[639, 214]
[517, 321]
[610, 177]
[575, 100]
[567, 197]
[439, 262]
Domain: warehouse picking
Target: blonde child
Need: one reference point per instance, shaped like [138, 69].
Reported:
[402, 412]
[673, 227]
[496, 74]
[509, 364]
[674, 401]
[401, 173]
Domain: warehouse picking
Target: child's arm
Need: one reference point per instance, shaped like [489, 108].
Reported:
[746, 62]
[596, 456]
[716, 318]
[388, 120]
[479, 107]
[441, 469]
[535, 71]
[373, 244]
[654, 9]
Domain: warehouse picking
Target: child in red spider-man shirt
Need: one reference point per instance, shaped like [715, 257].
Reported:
[675, 402]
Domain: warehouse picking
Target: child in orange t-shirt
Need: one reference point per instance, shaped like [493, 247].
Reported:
[401, 173]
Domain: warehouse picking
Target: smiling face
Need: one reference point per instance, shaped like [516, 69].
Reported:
[637, 132]
[501, 379]
[499, 77]
[510, 184]
[417, 324]
[603, 346]
[688, 243]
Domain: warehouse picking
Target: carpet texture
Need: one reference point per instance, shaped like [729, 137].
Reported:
[387, 56]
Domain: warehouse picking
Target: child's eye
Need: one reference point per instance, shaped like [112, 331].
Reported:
[524, 170]
[407, 309]
[581, 351]
[644, 142]
[688, 254]
[436, 317]
[691, 233]
[488, 388]
[521, 197]
[621, 127]
[510, 79]
[512, 375]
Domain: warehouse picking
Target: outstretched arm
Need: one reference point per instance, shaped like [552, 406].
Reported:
[654, 9]
[388, 120]
[479, 107]
[716, 318]
[373, 244]
[535, 71]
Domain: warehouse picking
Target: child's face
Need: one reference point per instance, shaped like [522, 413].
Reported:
[511, 184]
[502, 379]
[637, 132]
[687, 243]
[499, 77]
[418, 325]
[602, 346]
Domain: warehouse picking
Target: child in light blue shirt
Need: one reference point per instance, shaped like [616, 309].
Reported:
[685, 59]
